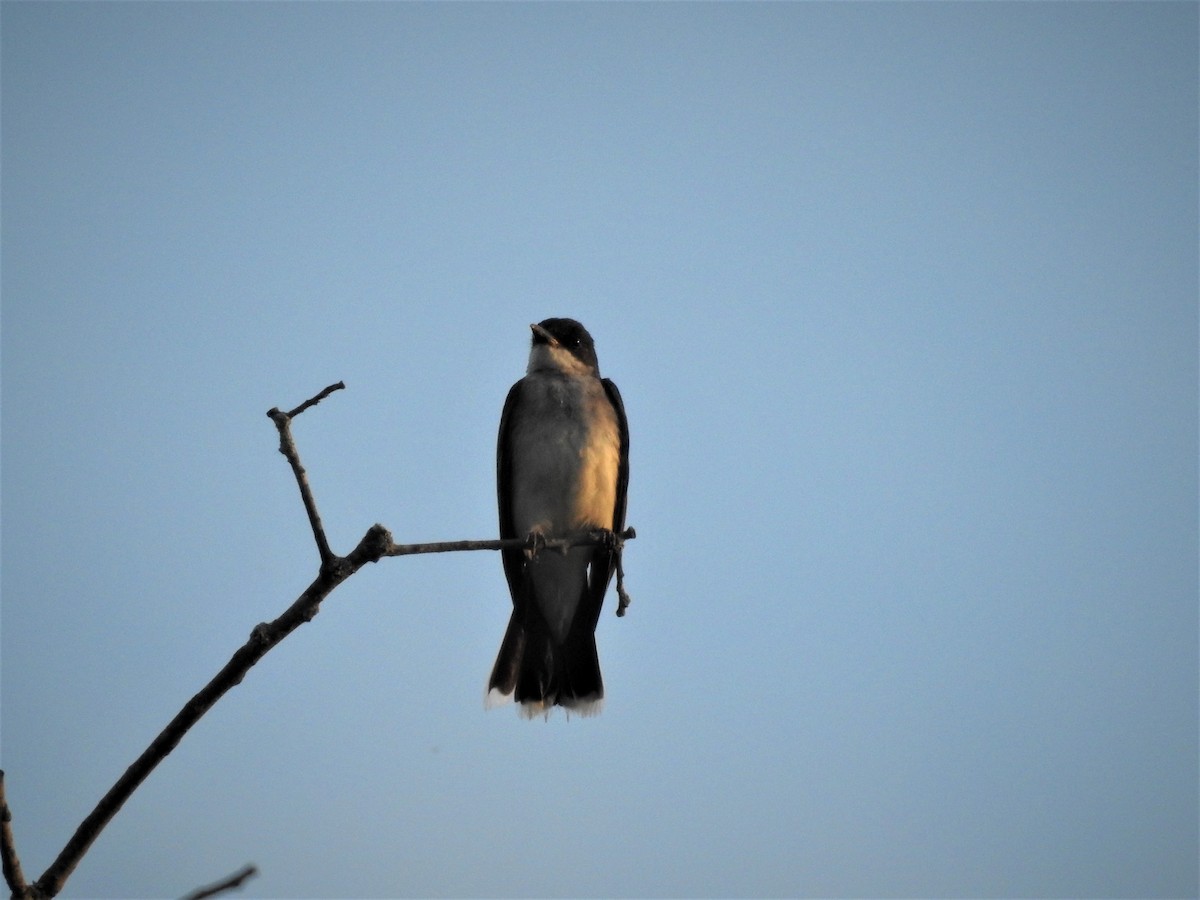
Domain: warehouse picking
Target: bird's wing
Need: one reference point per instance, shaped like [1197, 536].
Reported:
[614, 397]
[604, 560]
[504, 491]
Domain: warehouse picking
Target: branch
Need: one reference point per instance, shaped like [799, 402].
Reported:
[375, 544]
[531, 546]
[283, 422]
[13, 876]
[581, 539]
[313, 401]
[225, 884]
[623, 598]
[262, 639]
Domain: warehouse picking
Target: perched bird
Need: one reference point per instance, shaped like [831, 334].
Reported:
[562, 465]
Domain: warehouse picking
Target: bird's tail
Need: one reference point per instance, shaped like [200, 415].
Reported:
[540, 673]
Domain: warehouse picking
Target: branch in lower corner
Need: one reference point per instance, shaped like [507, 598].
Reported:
[225, 884]
[13, 876]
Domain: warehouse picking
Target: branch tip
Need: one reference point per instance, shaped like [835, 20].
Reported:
[313, 401]
[287, 446]
[225, 884]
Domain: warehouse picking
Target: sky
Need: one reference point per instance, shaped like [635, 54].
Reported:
[902, 301]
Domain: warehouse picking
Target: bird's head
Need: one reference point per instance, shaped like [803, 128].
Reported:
[564, 345]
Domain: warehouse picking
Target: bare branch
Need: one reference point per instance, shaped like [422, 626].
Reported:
[313, 401]
[13, 876]
[582, 539]
[287, 446]
[623, 598]
[225, 884]
[374, 545]
[262, 639]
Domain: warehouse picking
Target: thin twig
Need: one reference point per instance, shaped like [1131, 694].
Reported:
[287, 446]
[623, 598]
[225, 884]
[313, 401]
[582, 539]
[13, 876]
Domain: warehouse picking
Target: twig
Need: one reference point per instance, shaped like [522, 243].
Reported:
[582, 539]
[313, 401]
[287, 446]
[13, 876]
[225, 884]
[623, 598]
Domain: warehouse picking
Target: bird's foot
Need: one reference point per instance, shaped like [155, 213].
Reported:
[534, 542]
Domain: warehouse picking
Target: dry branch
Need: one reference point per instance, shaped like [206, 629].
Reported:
[375, 544]
[13, 876]
[581, 539]
[283, 422]
[225, 884]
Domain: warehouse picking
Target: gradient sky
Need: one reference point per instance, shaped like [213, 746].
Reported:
[902, 300]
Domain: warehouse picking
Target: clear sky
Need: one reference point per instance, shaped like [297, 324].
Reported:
[902, 300]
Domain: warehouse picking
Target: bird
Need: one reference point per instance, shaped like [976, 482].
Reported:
[562, 465]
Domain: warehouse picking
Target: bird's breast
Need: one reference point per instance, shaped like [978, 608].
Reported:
[565, 455]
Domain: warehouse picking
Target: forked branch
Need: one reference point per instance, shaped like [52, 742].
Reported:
[375, 544]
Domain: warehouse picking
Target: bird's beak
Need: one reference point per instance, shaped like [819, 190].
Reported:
[545, 335]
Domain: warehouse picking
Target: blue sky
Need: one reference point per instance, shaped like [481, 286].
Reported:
[902, 300]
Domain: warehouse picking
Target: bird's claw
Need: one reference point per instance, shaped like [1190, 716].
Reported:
[535, 542]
